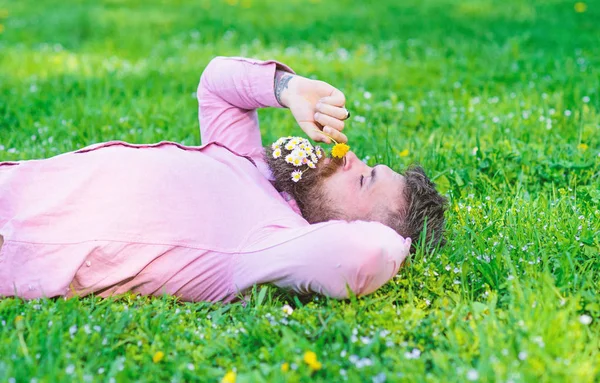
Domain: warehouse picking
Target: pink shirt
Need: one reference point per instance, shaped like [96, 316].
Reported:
[202, 223]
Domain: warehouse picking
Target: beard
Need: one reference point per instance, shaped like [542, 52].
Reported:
[309, 192]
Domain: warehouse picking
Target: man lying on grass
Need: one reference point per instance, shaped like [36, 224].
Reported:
[208, 223]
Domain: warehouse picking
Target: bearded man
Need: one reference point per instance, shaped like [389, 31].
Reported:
[207, 223]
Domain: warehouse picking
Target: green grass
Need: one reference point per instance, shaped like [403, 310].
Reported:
[499, 100]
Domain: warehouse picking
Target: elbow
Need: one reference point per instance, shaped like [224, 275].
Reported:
[205, 84]
[370, 270]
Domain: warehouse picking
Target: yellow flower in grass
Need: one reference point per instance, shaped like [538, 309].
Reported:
[310, 358]
[285, 367]
[229, 377]
[404, 153]
[582, 147]
[158, 356]
[580, 7]
[277, 153]
[296, 175]
[339, 150]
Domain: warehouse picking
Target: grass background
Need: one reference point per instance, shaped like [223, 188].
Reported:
[498, 99]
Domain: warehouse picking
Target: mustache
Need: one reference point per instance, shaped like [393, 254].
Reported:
[327, 170]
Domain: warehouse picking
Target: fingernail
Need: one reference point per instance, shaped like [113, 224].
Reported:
[317, 115]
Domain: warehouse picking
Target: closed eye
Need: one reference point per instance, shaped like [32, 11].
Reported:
[362, 178]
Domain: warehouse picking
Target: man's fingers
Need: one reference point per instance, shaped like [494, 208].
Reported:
[335, 134]
[314, 132]
[324, 119]
[336, 98]
[333, 111]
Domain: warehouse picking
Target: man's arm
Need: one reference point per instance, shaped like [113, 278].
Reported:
[231, 89]
[327, 258]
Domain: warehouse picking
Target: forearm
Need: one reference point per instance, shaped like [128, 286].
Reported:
[281, 85]
[243, 83]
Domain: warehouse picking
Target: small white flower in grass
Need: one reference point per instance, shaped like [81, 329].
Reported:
[73, 330]
[380, 378]
[414, 354]
[191, 367]
[567, 112]
[277, 153]
[296, 175]
[585, 99]
[287, 309]
[472, 375]
[522, 355]
[585, 319]
[70, 369]
[367, 95]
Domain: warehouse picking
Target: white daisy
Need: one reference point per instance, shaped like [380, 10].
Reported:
[296, 175]
[277, 153]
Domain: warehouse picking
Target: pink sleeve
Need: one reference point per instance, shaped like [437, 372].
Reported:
[325, 258]
[230, 91]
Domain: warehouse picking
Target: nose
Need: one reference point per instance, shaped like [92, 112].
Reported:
[351, 161]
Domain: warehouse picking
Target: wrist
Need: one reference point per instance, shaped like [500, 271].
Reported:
[282, 91]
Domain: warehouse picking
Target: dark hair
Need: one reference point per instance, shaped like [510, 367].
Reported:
[423, 209]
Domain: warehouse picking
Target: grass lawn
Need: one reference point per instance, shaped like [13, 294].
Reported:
[499, 100]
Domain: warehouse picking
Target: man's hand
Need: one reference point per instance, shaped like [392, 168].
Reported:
[316, 105]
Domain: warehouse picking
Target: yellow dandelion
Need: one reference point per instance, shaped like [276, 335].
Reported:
[277, 153]
[339, 150]
[229, 377]
[310, 357]
[158, 356]
[285, 367]
[404, 153]
[580, 7]
[289, 159]
[296, 175]
[583, 147]
[19, 318]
